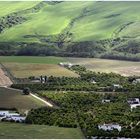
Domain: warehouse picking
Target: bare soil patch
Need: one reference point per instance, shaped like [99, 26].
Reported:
[4, 79]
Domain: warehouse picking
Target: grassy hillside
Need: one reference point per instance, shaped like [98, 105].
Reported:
[99, 21]
[7, 7]
[23, 131]
[101, 27]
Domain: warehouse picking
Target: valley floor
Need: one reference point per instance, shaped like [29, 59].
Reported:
[49, 65]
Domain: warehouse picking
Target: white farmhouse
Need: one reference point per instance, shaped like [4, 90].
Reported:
[106, 101]
[133, 102]
[66, 64]
[4, 113]
[11, 116]
[117, 86]
[17, 118]
[134, 106]
[110, 127]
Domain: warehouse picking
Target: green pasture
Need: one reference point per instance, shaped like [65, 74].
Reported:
[24, 131]
[96, 20]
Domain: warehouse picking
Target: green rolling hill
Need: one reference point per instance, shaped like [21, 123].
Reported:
[94, 29]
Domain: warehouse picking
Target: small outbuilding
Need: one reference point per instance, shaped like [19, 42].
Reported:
[106, 101]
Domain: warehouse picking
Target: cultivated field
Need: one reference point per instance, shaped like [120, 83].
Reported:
[32, 59]
[26, 70]
[24, 131]
[14, 99]
[25, 66]
[125, 68]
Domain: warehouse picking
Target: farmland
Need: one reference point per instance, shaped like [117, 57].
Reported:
[88, 111]
[26, 70]
[32, 59]
[125, 68]
[14, 99]
[24, 131]
[48, 65]
[22, 66]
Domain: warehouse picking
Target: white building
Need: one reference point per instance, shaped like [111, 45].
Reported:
[106, 101]
[136, 81]
[66, 64]
[7, 115]
[133, 101]
[134, 106]
[12, 114]
[117, 86]
[93, 81]
[16, 118]
[110, 127]
[4, 113]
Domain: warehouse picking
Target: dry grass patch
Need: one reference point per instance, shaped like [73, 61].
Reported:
[125, 68]
[22, 70]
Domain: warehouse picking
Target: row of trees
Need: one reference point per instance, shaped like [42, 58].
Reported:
[104, 82]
